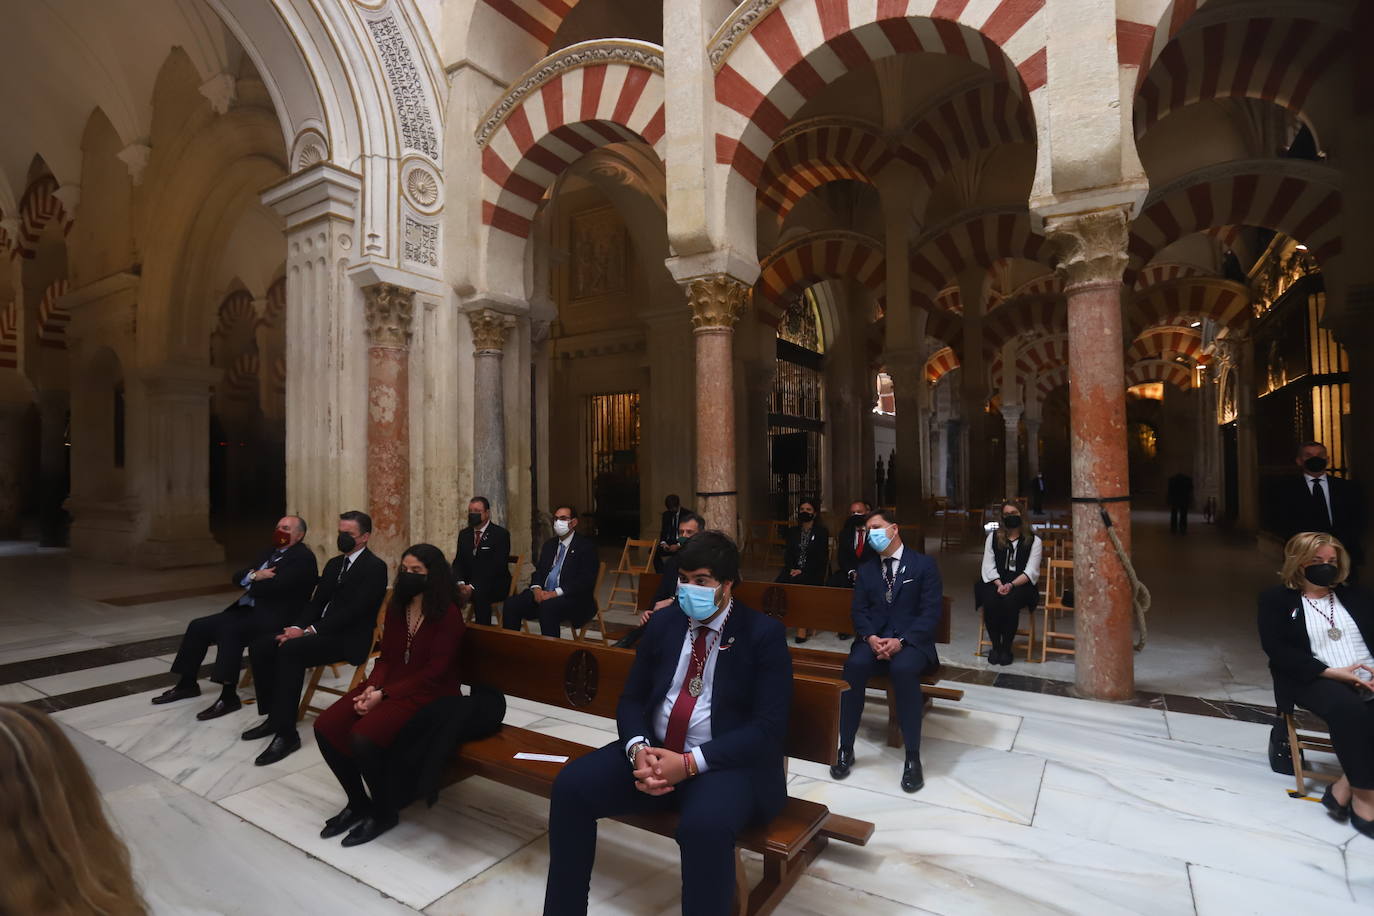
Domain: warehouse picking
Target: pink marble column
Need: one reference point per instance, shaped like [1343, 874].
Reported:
[1092, 249]
[717, 303]
[389, 310]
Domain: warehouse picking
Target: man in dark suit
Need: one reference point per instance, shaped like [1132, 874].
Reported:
[276, 588]
[1038, 489]
[702, 722]
[851, 546]
[673, 513]
[1180, 495]
[896, 611]
[563, 583]
[689, 526]
[1316, 501]
[336, 625]
[481, 565]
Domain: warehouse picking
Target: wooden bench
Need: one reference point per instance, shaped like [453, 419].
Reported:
[816, 607]
[589, 678]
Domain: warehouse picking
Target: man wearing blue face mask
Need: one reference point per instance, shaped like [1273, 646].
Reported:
[702, 723]
[896, 611]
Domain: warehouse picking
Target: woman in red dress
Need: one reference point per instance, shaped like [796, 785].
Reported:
[418, 665]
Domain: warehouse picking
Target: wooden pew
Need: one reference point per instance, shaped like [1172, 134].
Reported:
[816, 607]
[589, 678]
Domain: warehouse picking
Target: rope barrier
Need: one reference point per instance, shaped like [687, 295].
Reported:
[1140, 595]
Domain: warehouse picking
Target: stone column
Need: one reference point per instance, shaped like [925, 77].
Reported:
[973, 394]
[389, 310]
[1092, 255]
[1032, 446]
[52, 479]
[489, 332]
[11, 467]
[717, 302]
[1011, 420]
[1351, 327]
[1247, 442]
[907, 368]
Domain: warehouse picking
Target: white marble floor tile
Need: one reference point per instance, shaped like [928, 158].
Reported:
[954, 722]
[18, 693]
[433, 850]
[1250, 737]
[22, 650]
[85, 678]
[121, 709]
[813, 896]
[1102, 717]
[1237, 832]
[1220, 893]
[953, 862]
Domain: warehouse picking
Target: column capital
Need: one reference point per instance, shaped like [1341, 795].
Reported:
[717, 301]
[1012, 413]
[1091, 245]
[490, 329]
[389, 310]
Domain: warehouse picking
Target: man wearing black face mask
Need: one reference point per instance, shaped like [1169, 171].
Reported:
[1316, 501]
[336, 625]
[481, 567]
[851, 546]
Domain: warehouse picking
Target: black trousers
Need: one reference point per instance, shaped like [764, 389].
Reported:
[363, 760]
[1178, 519]
[839, 579]
[550, 613]
[1002, 613]
[712, 809]
[231, 630]
[483, 597]
[1351, 723]
[279, 673]
[904, 670]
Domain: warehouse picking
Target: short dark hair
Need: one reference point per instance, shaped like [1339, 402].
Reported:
[807, 501]
[713, 550]
[672, 499]
[300, 521]
[572, 510]
[691, 517]
[486, 503]
[887, 515]
[868, 506]
[362, 518]
[1306, 445]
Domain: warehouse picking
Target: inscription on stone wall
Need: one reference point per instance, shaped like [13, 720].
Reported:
[598, 248]
[407, 92]
[422, 243]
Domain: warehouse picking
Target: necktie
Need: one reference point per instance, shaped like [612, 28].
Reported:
[343, 570]
[681, 715]
[552, 582]
[1319, 498]
[890, 575]
[476, 540]
[858, 542]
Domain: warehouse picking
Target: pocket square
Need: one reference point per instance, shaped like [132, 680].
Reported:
[905, 581]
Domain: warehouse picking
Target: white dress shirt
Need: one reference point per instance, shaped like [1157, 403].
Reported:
[482, 530]
[1326, 492]
[699, 726]
[1032, 570]
[566, 541]
[348, 564]
[1320, 615]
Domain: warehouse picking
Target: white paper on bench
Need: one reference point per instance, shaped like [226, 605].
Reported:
[547, 758]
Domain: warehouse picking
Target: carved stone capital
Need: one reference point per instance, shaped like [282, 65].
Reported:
[1011, 414]
[717, 302]
[389, 310]
[1091, 247]
[490, 329]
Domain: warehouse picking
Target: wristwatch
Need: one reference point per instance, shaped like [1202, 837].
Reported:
[253, 576]
[633, 750]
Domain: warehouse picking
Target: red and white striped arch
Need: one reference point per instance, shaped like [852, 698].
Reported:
[946, 328]
[1157, 273]
[978, 241]
[1144, 28]
[1278, 60]
[1299, 199]
[1165, 343]
[1190, 299]
[941, 363]
[985, 117]
[1025, 319]
[799, 46]
[1047, 382]
[53, 317]
[818, 152]
[1036, 356]
[537, 19]
[811, 258]
[1158, 370]
[554, 122]
[39, 207]
[9, 335]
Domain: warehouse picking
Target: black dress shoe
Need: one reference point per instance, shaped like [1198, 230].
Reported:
[912, 777]
[346, 819]
[844, 636]
[263, 730]
[1338, 811]
[222, 707]
[178, 692]
[800, 639]
[1362, 825]
[842, 764]
[281, 746]
[369, 828]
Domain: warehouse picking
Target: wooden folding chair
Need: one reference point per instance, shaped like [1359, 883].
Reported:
[1303, 741]
[1059, 578]
[954, 528]
[777, 541]
[518, 561]
[628, 569]
[313, 685]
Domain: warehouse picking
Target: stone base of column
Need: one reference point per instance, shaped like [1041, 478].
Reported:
[152, 554]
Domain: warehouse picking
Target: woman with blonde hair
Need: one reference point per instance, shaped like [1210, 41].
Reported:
[1011, 564]
[1317, 632]
[60, 855]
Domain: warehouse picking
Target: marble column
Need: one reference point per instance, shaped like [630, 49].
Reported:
[1032, 446]
[1352, 326]
[52, 472]
[389, 310]
[907, 368]
[1092, 255]
[717, 303]
[489, 332]
[11, 467]
[975, 457]
[1011, 420]
[1247, 439]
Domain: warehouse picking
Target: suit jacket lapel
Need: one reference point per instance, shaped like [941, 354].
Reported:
[672, 651]
[899, 576]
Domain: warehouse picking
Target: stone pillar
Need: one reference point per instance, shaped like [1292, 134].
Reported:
[1032, 446]
[1092, 255]
[1352, 327]
[489, 332]
[760, 376]
[52, 472]
[173, 468]
[717, 302]
[976, 457]
[389, 310]
[1011, 420]
[907, 368]
[11, 467]
[1247, 442]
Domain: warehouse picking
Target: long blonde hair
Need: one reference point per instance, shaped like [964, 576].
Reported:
[1027, 531]
[1299, 552]
[61, 855]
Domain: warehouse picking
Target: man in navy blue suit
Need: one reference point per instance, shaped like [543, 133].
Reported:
[702, 724]
[896, 611]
